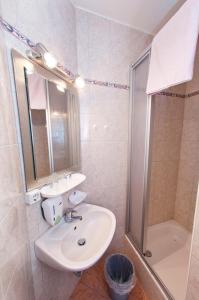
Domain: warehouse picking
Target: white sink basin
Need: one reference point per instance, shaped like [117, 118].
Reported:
[59, 248]
[62, 186]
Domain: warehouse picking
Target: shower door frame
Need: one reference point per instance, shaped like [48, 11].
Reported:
[146, 53]
[147, 165]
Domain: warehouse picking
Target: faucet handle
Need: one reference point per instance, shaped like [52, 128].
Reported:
[67, 175]
[70, 210]
[69, 217]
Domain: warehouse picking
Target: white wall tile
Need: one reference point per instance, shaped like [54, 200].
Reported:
[53, 24]
[105, 51]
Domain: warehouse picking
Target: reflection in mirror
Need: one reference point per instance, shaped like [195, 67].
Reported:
[58, 104]
[48, 108]
[36, 94]
[64, 120]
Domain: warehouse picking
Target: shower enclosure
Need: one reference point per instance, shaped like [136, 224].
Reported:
[163, 176]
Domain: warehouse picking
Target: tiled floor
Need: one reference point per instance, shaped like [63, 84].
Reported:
[92, 286]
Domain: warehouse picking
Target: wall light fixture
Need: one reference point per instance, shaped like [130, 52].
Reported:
[80, 82]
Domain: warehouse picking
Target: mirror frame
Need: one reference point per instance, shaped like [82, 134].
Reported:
[19, 63]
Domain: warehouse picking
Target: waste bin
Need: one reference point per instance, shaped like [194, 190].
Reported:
[119, 272]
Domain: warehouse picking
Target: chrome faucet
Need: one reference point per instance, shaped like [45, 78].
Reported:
[69, 217]
[68, 175]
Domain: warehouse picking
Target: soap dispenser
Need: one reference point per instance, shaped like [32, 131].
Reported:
[53, 210]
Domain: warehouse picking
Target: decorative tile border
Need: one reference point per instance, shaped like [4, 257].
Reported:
[168, 94]
[107, 84]
[16, 33]
[189, 95]
[24, 39]
[70, 74]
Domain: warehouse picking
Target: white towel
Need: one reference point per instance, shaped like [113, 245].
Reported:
[37, 91]
[173, 49]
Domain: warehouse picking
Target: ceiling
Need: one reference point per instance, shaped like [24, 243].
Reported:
[145, 15]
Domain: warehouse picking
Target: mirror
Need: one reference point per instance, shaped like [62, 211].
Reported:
[48, 109]
[38, 114]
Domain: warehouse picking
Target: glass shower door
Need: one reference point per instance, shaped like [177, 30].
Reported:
[138, 158]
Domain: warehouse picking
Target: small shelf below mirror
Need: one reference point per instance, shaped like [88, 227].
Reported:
[63, 185]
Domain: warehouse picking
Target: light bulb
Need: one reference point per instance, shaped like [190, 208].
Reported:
[29, 69]
[50, 60]
[80, 82]
[60, 88]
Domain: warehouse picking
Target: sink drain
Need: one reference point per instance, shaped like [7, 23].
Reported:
[81, 242]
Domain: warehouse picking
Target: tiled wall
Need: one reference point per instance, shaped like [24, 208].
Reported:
[191, 134]
[15, 268]
[165, 144]
[192, 120]
[49, 22]
[188, 174]
[53, 24]
[193, 279]
[105, 51]
[175, 161]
